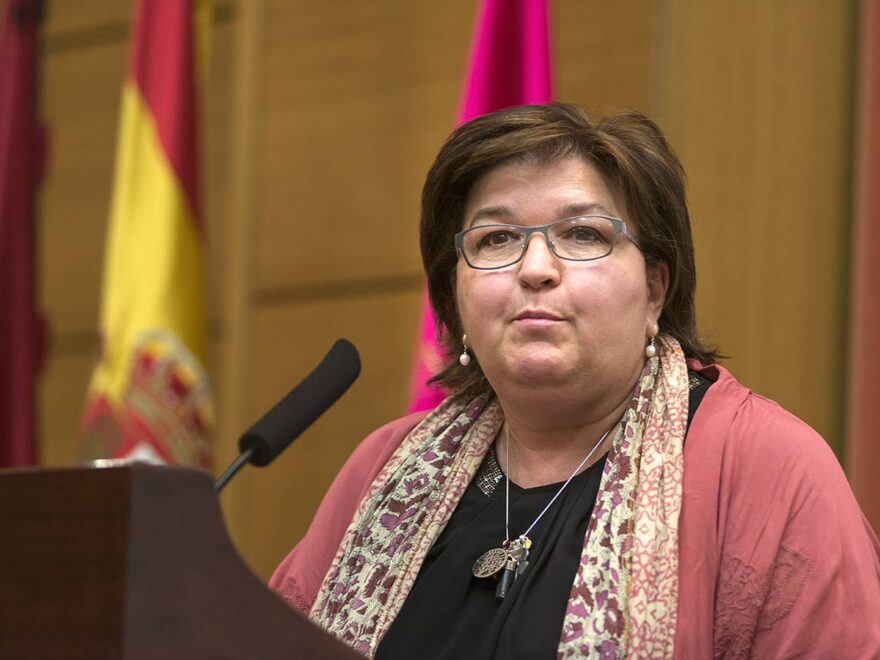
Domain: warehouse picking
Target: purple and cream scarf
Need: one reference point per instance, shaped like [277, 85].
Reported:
[624, 596]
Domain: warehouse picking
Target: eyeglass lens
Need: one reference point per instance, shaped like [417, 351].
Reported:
[581, 239]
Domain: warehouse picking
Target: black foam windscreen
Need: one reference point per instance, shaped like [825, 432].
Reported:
[303, 404]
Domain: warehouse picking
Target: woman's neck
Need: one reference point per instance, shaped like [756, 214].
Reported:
[548, 441]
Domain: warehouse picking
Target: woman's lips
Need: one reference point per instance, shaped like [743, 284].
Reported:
[536, 319]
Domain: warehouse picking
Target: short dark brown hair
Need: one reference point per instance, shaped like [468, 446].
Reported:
[626, 147]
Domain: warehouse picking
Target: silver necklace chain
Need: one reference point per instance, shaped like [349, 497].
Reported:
[512, 558]
[558, 492]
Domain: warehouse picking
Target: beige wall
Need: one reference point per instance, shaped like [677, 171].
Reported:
[321, 119]
[759, 105]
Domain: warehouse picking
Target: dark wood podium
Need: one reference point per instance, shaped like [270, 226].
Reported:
[134, 562]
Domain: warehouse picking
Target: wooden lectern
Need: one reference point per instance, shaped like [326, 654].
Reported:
[134, 562]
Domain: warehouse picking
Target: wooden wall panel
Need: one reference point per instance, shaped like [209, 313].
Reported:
[357, 98]
[756, 97]
[85, 21]
[81, 105]
[604, 53]
[61, 394]
[216, 159]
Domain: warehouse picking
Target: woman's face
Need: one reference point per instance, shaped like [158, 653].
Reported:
[548, 321]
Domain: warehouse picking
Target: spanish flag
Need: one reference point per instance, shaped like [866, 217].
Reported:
[149, 395]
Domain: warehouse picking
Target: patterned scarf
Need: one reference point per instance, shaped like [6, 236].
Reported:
[624, 596]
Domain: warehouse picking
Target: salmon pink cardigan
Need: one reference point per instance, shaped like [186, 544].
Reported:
[775, 557]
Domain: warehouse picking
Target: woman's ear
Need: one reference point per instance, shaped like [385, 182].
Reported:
[658, 286]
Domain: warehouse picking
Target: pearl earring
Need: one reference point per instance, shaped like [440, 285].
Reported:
[465, 358]
[651, 349]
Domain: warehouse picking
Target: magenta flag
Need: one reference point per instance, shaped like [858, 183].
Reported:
[509, 65]
[20, 170]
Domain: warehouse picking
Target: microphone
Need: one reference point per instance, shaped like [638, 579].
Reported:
[293, 414]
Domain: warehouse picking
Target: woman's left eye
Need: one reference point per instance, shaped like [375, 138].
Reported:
[583, 235]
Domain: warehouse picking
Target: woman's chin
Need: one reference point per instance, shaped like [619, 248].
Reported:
[538, 370]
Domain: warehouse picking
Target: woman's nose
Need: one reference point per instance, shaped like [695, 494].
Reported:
[539, 266]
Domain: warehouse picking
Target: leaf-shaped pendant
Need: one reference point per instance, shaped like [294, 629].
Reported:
[490, 562]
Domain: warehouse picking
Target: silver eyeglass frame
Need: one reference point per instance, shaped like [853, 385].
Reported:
[619, 225]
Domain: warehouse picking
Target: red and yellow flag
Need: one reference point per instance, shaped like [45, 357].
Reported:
[149, 395]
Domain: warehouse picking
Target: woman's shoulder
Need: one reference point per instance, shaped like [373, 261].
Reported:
[298, 577]
[764, 469]
[366, 461]
[373, 452]
[747, 425]
[753, 459]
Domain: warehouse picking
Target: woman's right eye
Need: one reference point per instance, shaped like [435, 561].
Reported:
[497, 238]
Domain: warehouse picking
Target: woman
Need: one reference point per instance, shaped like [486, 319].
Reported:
[595, 485]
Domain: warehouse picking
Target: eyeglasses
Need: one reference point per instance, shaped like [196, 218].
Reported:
[582, 238]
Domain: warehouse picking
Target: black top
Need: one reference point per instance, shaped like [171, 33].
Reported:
[451, 614]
